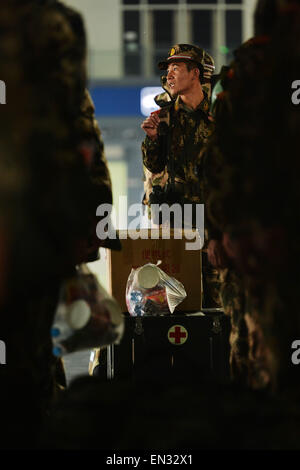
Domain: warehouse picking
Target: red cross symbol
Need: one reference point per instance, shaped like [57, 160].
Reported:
[177, 334]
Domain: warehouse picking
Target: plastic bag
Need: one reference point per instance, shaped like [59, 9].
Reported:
[150, 291]
[86, 316]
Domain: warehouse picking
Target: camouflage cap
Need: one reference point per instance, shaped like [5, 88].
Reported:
[190, 52]
[208, 67]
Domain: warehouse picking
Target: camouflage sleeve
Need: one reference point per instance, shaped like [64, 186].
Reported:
[212, 232]
[99, 188]
[153, 179]
[88, 128]
[153, 156]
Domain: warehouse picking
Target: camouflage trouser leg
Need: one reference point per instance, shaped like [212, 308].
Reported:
[263, 352]
[234, 301]
[249, 356]
[211, 284]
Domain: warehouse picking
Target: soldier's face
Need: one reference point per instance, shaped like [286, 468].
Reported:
[179, 79]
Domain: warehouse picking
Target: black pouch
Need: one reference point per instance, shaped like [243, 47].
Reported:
[168, 196]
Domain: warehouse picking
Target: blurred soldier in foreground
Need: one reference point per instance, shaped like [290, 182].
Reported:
[253, 205]
[54, 175]
[246, 369]
[176, 136]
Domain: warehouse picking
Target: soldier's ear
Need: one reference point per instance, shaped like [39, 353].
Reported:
[196, 73]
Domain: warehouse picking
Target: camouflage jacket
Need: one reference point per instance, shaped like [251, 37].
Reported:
[181, 148]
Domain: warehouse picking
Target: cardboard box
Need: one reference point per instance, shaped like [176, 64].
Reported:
[177, 261]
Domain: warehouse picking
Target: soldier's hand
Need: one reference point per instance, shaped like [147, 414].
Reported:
[150, 126]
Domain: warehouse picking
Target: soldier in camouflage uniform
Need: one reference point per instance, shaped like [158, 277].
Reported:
[248, 368]
[232, 290]
[176, 137]
[256, 156]
[186, 121]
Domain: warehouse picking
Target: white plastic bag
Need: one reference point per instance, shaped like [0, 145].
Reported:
[86, 316]
[150, 291]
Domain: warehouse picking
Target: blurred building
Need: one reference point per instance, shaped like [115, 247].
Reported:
[126, 40]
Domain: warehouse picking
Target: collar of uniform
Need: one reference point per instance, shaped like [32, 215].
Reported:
[203, 106]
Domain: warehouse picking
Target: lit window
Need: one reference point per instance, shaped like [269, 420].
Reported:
[148, 104]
